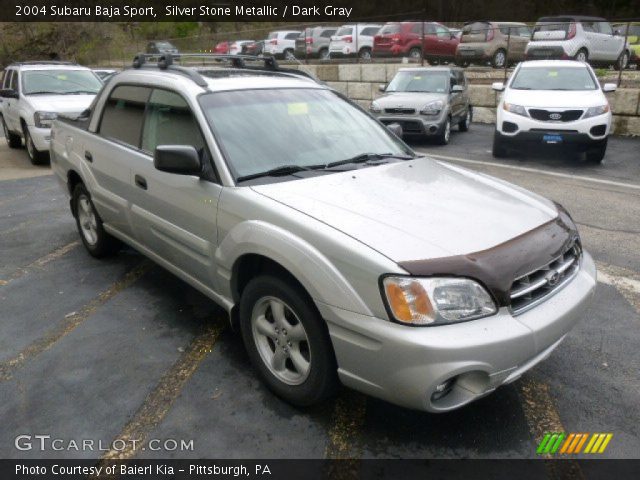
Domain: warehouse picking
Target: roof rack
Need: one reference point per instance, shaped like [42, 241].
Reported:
[44, 62]
[166, 62]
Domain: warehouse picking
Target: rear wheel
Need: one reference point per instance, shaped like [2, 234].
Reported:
[596, 154]
[35, 156]
[97, 242]
[415, 54]
[499, 59]
[289, 55]
[623, 61]
[365, 53]
[287, 340]
[13, 140]
[499, 149]
[323, 54]
[582, 55]
[465, 122]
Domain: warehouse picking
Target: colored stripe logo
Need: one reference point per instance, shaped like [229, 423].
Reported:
[573, 443]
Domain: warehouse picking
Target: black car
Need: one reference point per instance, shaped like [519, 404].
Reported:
[161, 47]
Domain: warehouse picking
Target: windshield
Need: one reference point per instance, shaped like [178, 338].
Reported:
[554, 78]
[422, 81]
[260, 130]
[60, 82]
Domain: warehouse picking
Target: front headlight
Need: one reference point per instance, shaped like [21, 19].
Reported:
[595, 111]
[44, 119]
[517, 109]
[438, 300]
[432, 108]
[375, 108]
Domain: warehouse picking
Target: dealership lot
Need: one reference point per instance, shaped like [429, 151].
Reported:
[121, 349]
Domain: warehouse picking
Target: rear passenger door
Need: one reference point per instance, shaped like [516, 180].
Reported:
[174, 215]
[111, 153]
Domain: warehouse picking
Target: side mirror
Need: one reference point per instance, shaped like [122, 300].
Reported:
[457, 89]
[180, 159]
[396, 129]
[617, 33]
[609, 87]
[497, 86]
[8, 93]
[382, 87]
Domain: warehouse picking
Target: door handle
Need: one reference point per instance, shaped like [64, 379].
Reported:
[140, 182]
[87, 156]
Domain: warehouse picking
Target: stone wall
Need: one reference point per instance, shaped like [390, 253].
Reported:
[360, 83]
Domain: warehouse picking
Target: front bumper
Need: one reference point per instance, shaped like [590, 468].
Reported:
[404, 365]
[429, 125]
[41, 137]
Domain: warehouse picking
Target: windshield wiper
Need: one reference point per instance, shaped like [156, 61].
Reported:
[365, 157]
[80, 92]
[275, 172]
[42, 92]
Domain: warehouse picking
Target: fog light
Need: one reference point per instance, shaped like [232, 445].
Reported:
[443, 389]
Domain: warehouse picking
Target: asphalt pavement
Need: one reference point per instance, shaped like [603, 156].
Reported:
[121, 349]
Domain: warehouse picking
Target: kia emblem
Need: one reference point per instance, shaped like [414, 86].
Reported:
[553, 277]
[555, 116]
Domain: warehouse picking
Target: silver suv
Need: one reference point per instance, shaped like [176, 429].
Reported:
[586, 39]
[340, 256]
[426, 101]
[314, 42]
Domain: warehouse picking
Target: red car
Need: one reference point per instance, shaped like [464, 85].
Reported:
[222, 48]
[404, 39]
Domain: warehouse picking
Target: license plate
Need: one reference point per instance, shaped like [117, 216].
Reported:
[552, 138]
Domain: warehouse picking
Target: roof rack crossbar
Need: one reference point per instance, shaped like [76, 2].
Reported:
[165, 62]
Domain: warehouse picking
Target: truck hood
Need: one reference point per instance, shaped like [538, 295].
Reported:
[416, 209]
[60, 103]
[556, 98]
[415, 100]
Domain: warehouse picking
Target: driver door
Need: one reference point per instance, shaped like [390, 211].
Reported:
[174, 215]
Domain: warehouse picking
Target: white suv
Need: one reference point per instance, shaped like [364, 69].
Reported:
[34, 93]
[351, 40]
[281, 43]
[587, 39]
[557, 102]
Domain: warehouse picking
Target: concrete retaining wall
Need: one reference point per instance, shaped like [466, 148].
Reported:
[360, 83]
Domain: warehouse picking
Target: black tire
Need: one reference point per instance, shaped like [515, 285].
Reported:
[36, 157]
[433, 61]
[499, 58]
[623, 61]
[462, 63]
[13, 140]
[288, 54]
[582, 55]
[365, 54]
[321, 380]
[443, 137]
[499, 150]
[104, 244]
[465, 122]
[415, 54]
[323, 54]
[596, 154]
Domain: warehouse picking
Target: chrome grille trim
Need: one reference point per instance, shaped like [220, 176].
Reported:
[537, 286]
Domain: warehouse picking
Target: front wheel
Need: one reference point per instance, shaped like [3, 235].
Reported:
[324, 54]
[596, 155]
[623, 61]
[445, 135]
[499, 59]
[499, 149]
[36, 157]
[287, 341]
[465, 123]
[97, 242]
[365, 54]
[415, 54]
[13, 140]
[582, 56]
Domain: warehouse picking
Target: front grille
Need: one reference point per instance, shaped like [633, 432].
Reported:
[561, 116]
[535, 287]
[400, 111]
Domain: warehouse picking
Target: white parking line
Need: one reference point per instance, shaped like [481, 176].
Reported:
[535, 170]
[628, 283]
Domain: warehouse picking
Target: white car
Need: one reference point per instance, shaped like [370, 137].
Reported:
[558, 102]
[34, 93]
[587, 39]
[351, 40]
[281, 43]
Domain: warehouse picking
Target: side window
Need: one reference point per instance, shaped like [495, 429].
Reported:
[524, 32]
[429, 29]
[369, 31]
[461, 79]
[292, 36]
[605, 27]
[589, 27]
[442, 32]
[7, 79]
[12, 81]
[328, 33]
[169, 121]
[124, 113]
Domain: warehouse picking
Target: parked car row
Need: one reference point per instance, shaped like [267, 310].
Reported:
[587, 39]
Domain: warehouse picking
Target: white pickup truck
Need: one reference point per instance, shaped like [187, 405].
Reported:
[34, 93]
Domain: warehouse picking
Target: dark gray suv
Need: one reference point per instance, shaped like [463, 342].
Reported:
[314, 42]
[426, 101]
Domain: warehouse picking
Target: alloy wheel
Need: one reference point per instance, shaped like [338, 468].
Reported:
[87, 220]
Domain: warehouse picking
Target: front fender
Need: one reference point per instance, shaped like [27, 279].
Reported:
[322, 280]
